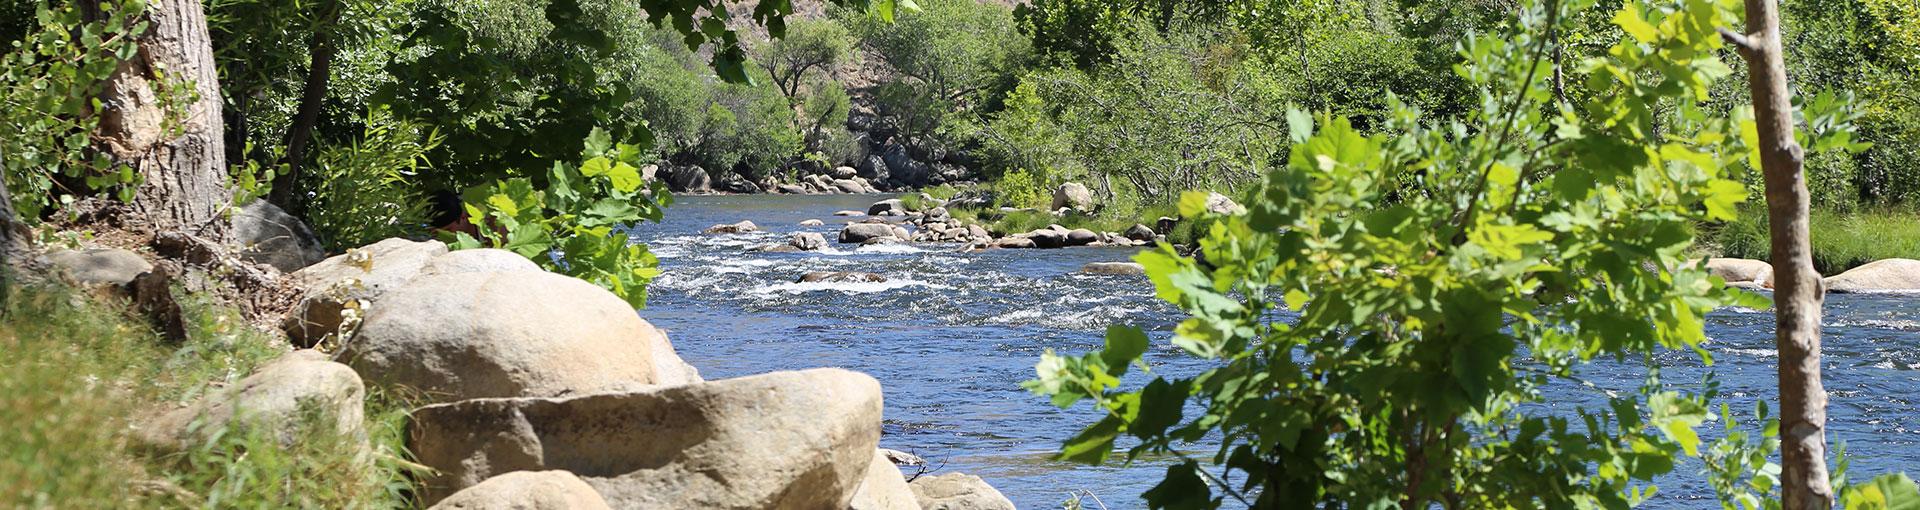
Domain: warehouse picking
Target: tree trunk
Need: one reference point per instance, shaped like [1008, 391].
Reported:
[11, 230]
[320, 50]
[179, 154]
[1797, 287]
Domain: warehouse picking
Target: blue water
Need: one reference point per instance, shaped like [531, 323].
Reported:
[951, 335]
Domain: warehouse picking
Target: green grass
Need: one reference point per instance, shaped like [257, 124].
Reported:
[1841, 241]
[76, 372]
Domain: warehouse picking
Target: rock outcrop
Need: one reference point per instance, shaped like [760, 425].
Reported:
[527, 490]
[268, 235]
[273, 399]
[1887, 275]
[513, 334]
[355, 280]
[958, 491]
[786, 440]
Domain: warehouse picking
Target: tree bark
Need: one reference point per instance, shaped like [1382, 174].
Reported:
[12, 230]
[179, 154]
[1797, 287]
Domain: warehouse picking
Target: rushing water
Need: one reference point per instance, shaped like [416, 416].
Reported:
[951, 335]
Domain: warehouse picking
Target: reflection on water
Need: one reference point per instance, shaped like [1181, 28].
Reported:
[951, 335]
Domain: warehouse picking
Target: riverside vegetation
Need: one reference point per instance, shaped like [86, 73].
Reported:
[1447, 206]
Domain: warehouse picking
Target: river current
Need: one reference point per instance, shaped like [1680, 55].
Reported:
[951, 335]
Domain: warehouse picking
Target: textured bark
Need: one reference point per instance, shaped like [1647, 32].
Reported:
[320, 49]
[11, 229]
[1797, 288]
[179, 154]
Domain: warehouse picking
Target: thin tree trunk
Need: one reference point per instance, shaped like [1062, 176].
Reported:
[179, 154]
[11, 230]
[1797, 287]
[320, 50]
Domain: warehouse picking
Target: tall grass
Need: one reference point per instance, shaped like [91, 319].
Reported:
[77, 374]
[1841, 240]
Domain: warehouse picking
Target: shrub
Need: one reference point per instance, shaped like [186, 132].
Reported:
[368, 189]
[48, 87]
[1841, 240]
[952, 56]
[569, 227]
[1021, 189]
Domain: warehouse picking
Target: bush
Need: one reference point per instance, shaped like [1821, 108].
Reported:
[48, 91]
[951, 57]
[369, 189]
[1021, 189]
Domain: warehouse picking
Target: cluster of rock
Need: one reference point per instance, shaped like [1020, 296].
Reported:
[544, 391]
[1880, 276]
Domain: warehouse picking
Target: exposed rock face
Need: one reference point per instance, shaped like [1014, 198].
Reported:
[478, 260]
[840, 276]
[1887, 275]
[270, 236]
[1140, 233]
[786, 440]
[863, 232]
[1072, 195]
[888, 207]
[111, 267]
[742, 227]
[807, 241]
[958, 491]
[356, 278]
[1114, 268]
[883, 488]
[689, 179]
[272, 399]
[527, 490]
[514, 334]
[1741, 272]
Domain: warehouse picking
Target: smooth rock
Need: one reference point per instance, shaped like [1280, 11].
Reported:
[883, 488]
[888, 207]
[1081, 237]
[1072, 195]
[1015, 242]
[111, 267]
[273, 399]
[1885, 275]
[478, 260]
[843, 172]
[848, 186]
[862, 232]
[1048, 238]
[785, 440]
[268, 235]
[1736, 271]
[849, 213]
[1222, 204]
[1140, 233]
[840, 276]
[689, 179]
[742, 227]
[1114, 268]
[958, 491]
[812, 223]
[526, 490]
[357, 278]
[517, 334]
[807, 241]
[791, 189]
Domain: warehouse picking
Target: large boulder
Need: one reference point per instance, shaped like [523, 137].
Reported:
[527, 490]
[1074, 196]
[874, 168]
[689, 179]
[807, 241]
[270, 236]
[1886, 275]
[1081, 237]
[888, 207]
[273, 399]
[741, 227]
[958, 491]
[1051, 237]
[478, 260]
[1741, 272]
[862, 232]
[516, 334]
[111, 267]
[1222, 204]
[353, 280]
[668, 368]
[1139, 232]
[785, 440]
[883, 488]
[849, 186]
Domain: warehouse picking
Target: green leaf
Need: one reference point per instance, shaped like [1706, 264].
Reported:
[1885, 492]
[1124, 345]
[1093, 445]
[625, 177]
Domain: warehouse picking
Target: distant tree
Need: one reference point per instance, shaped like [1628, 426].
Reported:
[811, 47]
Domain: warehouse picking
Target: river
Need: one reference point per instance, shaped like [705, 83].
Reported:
[951, 335]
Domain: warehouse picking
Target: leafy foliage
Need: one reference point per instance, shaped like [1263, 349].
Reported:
[569, 227]
[368, 189]
[1385, 315]
[952, 57]
[49, 81]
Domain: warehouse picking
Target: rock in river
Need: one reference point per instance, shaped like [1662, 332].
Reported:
[807, 241]
[958, 491]
[862, 232]
[888, 207]
[1887, 275]
[1115, 268]
[785, 440]
[1741, 272]
[742, 227]
[840, 276]
[515, 334]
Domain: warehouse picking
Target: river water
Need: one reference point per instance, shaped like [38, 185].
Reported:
[951, 335]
